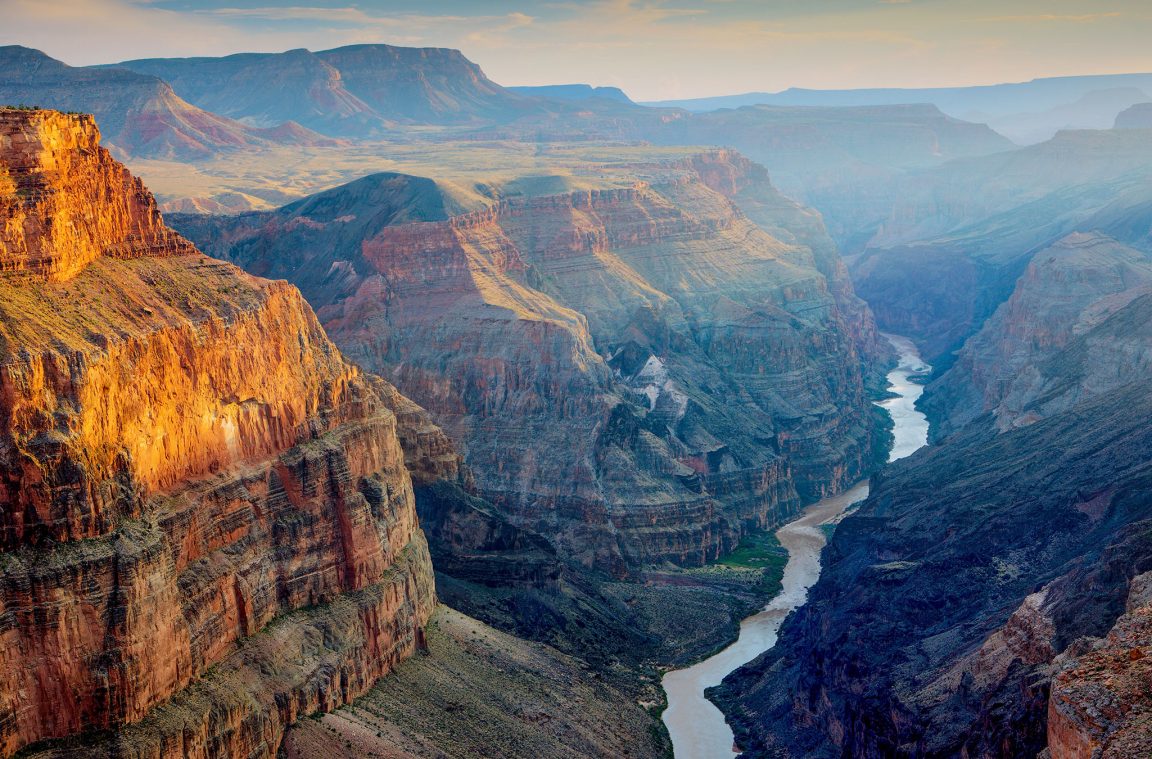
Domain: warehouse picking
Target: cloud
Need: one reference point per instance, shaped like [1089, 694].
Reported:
[299, 13]
[1073, 18]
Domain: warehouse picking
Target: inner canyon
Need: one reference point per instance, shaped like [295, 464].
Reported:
[354, 405]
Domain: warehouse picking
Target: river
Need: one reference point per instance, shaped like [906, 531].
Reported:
[697, 727]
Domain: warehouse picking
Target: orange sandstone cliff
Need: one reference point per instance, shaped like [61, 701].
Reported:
[207, 526]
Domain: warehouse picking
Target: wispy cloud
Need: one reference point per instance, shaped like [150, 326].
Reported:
[296, 13]
[1072, 18]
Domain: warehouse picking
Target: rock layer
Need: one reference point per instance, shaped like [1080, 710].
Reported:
[639, 373]
[1101, 701]
[945, 599]
[953, 241]
[959, 609]
[141, 116]
[66, 202]
[188, 461]
[354, 91]
[1023, 364]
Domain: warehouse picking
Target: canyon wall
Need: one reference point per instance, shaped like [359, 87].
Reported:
[208, 528]
[140, 115]
[639, 373]
[946, 599]
[1040, 353]
[1101, 701]
[951, 242]
[989, 599]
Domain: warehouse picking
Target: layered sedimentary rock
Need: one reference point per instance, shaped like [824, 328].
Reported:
[954, 240]
[139, 114]
[639, 373]
[1034, 356]
[944, 601]
[354, 91]
[959, 609]
[187, 462]
[1101, 700]
[837, 159]
[105, 211]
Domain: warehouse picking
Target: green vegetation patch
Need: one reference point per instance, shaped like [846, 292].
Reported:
[758, 551]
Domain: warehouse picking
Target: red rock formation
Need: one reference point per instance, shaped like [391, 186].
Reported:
[639, 373]
[139, 115]
[1101, 701]
[66, 202]
[187, 461]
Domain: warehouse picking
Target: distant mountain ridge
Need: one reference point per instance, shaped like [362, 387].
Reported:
[1138, 116]
[1001, 106]
[574, 92]
[139, 114]
[358, 90]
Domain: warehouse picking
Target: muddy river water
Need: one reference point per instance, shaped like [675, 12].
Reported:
[697, 727]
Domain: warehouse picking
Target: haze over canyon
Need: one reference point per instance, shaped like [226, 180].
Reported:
[353, 404]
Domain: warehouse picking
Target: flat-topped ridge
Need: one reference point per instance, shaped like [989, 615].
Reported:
[64, 201]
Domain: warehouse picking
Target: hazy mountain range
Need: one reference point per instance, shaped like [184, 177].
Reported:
[563, 362]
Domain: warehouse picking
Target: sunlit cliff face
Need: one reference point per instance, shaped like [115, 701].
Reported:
[185, 458]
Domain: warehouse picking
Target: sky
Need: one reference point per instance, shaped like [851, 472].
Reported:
[653, 49]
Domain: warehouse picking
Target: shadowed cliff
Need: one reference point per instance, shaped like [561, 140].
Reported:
[988, 597]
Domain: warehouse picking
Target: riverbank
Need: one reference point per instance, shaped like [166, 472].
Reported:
[697, 727]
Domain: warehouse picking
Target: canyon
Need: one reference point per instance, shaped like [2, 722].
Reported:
[977, 563]
[697, 728]
[209, 514]
[452, 426]
[1000, 570]
[598, 354]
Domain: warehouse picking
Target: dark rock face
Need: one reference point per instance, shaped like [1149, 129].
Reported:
[978, 569]
[638, 373]
[140, 115]
[945, 599]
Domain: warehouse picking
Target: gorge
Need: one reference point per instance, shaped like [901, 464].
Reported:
[697, 727]
[310, 463]
[420, 416]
